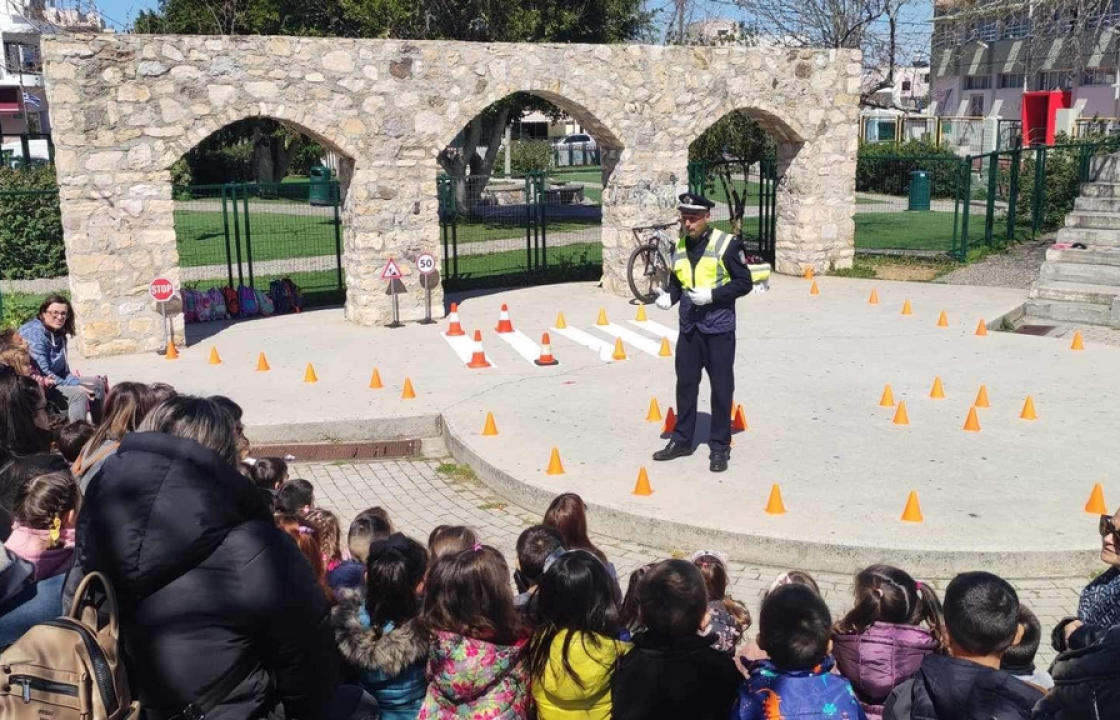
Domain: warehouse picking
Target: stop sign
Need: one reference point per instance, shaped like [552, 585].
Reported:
[161, 289]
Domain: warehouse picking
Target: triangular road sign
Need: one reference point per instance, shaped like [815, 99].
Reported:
[391, 271]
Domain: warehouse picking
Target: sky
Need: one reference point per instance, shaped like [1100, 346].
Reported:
[120, 13]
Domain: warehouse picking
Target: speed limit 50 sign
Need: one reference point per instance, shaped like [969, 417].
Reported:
[426, 263]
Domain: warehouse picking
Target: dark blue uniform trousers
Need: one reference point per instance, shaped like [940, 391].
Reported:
[716, 354]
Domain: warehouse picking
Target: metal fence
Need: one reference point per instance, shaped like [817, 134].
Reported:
[510, 231]
[26, 149]
[253, 233]
[575, 155]
[746, 200]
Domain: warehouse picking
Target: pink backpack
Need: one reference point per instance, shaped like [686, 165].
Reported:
[248, 299]
[217, 304]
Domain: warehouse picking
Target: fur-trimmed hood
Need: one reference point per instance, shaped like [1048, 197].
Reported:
[360, 646]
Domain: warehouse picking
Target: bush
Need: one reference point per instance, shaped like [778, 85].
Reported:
[30, 224]
[18, 308]
[885, 168]
[526, 156]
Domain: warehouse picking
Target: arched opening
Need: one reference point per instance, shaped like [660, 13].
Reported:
[521, 194]
[256, 203]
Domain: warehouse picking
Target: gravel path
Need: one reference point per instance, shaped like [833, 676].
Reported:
[1016, 268]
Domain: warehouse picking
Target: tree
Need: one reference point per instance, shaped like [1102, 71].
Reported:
[727, 149]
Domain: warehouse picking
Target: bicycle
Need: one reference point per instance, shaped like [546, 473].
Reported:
[647, 270]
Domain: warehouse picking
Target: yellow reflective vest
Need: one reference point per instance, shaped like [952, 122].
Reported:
[710, 271]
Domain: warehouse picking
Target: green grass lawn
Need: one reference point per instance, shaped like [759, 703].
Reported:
[19, 307]
[904, 231]
[200, 236]
[472, 231]
[513, 262]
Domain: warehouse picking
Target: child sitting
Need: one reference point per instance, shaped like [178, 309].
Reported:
[574, 651]
[475, 664]
[751, 652]
[536, 546]
[43, 527]
[377, 631]
[369, 526]
[882, 641]
[449, 540]
[797, 681]
[981, 622]
[295, 497]
[673, 671]
[270, 473]
[1019, 658]
[72, 437]
[727, 617]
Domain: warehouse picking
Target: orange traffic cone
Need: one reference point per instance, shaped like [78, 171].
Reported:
[489, 427]
[887, 398]
[478, 359]
[642, 486]
[972, 422]
[504, 324]
[546, 352]
[666, 349]
[654, 414]
[813, 289]
[172, 352]
[453, 327]
[309, 375]
[982, 397]
[1096, 505]
[900, 416]
[1028, 410]
[670, 423]
[937, 392]
[214, 358]
[913, 511]
[907, 309]
[774, 505]
[942, 320]
[602, 317]
[407, 393]
[375, 380]
[619, 351]
[739, 420]
[1078, 342]
[262, 363]
[561, 323]
[641, 315]
[808, 274]
[981, 328]
[555, 467]
[874, 298]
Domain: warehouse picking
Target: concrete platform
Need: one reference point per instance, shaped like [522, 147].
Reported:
[810, 370]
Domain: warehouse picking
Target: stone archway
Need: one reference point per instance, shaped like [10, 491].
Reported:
[125, 107]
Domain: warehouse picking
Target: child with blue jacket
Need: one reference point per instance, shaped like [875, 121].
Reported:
[795, 630]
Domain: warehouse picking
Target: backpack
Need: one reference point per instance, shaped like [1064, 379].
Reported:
[295, 298]
[69, 668]
[232, 306]
[217, 304]
[280, 301]
[248, 300]
[205, 309]
[190, 305]
[265, 303]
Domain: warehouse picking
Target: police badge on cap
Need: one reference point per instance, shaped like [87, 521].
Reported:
[691, 202]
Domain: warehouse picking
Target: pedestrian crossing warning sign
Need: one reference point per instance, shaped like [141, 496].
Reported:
[391, 271]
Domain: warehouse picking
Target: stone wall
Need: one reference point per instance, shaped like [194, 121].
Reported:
[125, 107]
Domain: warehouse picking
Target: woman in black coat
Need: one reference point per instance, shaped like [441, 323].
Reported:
[208, 586]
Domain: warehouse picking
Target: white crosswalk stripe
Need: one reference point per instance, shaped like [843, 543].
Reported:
[630, 337]
[655, 328]
[602, 348]
[522, 343]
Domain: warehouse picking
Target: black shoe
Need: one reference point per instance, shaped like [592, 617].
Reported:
[672, 451]
[718, 462]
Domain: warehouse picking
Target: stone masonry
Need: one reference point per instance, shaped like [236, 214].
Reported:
[124, 108]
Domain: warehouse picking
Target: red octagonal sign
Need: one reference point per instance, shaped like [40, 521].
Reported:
[161, 289]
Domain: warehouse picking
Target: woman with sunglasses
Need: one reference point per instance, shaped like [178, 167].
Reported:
[46, 335]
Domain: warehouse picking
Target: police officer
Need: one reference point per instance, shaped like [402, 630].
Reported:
[708, 273]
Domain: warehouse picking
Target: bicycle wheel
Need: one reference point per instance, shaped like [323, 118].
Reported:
[646, 272]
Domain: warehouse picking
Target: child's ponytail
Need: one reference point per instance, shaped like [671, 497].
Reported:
[929, 612]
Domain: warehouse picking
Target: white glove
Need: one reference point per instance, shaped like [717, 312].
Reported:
[664, 300]
[700, 297]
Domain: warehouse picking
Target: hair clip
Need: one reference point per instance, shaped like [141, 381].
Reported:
[552, 558]
[477, 547]
[720, 556]
[56, 529]
[304, 530]
[918, 584]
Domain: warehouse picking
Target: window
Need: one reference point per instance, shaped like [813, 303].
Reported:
[977, 82]
[986, 30]
[1010, 81]
[1097, 76]
[1054, 80]
[1015, 27]
[925, 77]
[905, 86]
[976, 105]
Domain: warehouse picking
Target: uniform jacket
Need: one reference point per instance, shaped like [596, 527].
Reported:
[470, 678]
[1086, 678]
[204, 578]
[879, 658]
[557, 694]
[389, 665]
[947, 688]
[719, 316]
[773, 694]
[48, 352]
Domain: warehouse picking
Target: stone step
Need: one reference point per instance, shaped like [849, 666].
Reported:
[1072, 312]
[1060, 290]
[1100, 189]
[1097, 221]
[1092, 256]
[1093, 237]
[1081, 273]
[1105, 167]
[1097, 204]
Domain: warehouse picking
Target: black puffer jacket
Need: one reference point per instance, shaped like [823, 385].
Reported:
[947, 688]
[1086, 678]
[204, 577]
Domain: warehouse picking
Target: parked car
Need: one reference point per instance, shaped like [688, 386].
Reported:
[583, 139]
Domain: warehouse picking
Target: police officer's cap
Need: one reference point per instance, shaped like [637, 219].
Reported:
[695, 203]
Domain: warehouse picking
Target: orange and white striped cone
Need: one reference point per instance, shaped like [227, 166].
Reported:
[546, 352]
[504, 325]
[453, 327]
[478, 359]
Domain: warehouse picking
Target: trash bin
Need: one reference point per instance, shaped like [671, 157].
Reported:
[919, 190]
[320, 191]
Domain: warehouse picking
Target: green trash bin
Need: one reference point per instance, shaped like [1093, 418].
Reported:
[919, 190]
[319, 193]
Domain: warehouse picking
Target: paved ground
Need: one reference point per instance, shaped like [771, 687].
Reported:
[419, 497]
[1016, 268]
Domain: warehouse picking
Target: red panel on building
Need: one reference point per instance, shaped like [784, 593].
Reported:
[1040, 115]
